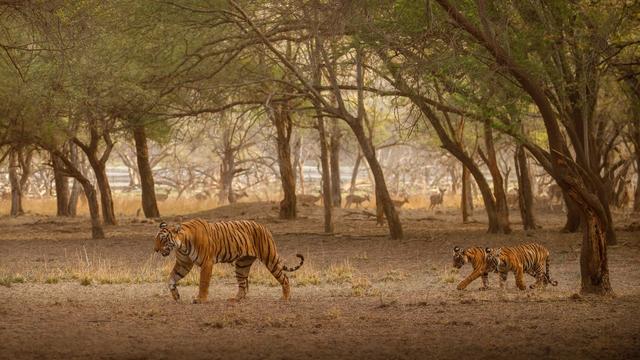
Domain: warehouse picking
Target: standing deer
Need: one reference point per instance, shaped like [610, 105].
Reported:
[307, 200]
[398, 203]
[436, 199]
[356, 199]
[163, 197]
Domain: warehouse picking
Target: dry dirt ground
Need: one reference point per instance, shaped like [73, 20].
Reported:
[359, 294]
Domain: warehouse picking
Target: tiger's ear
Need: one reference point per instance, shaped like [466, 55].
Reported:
[456, 249]
[163, 225]
[488, 250]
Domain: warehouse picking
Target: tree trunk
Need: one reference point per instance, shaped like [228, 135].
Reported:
[354, 173]
[297, 163]
[525, 193]
[336, 198]
[382, 194]
[326, 177]
[94, 211]
[62, 187]
[227, 172]
[72, 206]
[106, 199]
[466, 200]
[283, 124]
[147, 185]
[574, 215]
[16, 189]
[636, 195]
[502, 208]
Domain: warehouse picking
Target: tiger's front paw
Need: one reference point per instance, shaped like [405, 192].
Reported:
[460, 287]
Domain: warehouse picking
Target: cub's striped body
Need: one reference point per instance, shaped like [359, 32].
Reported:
[532, 259]
[477, 256]
[204, 244]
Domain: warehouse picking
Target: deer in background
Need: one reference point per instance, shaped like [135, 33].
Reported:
[163, 197]
[436, 199]
[356, 199]
[399, 203]
[307, 200]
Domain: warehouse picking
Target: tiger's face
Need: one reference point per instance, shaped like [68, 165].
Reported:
[165, 240]
[459, 258]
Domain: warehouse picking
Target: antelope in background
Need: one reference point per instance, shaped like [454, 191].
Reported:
[356, 199]
[163, 197]
[436, 199]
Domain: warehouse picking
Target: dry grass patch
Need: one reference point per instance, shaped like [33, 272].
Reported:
[339, 273]
[449, 275]
[394, 275]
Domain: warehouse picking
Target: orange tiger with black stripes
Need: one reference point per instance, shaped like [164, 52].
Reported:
[204, 244]
[532, 259]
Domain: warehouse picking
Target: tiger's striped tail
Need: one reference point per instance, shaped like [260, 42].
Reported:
[285, 268]
[548, 276]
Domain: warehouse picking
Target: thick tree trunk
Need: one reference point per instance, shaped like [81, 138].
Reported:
[106, 198]
[594, 269]
[283, 124]
[382, 194]
[574, 215]
[525, 193]
[466, 200]
[326, 177]
[14, 180]
[336, 188]
[147, 185]
[62, 187]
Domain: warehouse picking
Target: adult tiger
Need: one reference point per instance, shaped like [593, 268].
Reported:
[204, 244]
[532, 259]
[477, 256]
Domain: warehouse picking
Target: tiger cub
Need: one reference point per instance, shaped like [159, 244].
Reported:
[532, 259]
[477, 256]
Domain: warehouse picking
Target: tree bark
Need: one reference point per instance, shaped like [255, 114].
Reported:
[72, 206]
[502, 208]
[334, 152]
[106, 199]
[283, 123]
[90, 192]
[636, 196]
[466, 200]
[354, 173]
[326, 177]
[382, 193]
[525, 193]
[14, 180]
[147, 185]
[62, 187]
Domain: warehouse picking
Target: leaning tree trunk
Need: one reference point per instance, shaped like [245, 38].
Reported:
[14, 180]
[354, 173]
[62, 187]
[382, 193]
[525, 193]
[106, 198]
[283, 124]
[147, 185]
[326, 177]
[336, 198]
[466, 200]
[574, 215]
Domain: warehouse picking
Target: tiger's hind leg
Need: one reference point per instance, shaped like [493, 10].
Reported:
[277, 271]
[243, 266]
[540, 276]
